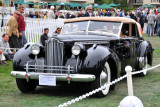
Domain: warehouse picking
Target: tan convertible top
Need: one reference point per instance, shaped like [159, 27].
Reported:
[112, 19]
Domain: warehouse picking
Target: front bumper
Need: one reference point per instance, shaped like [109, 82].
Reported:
[59, 77]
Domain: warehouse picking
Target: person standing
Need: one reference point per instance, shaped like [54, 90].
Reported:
[135, 17]
[2, 21]
[80, 14]
[158, 24]
[88, 11]
[21, 28]
[51, 14]
[151, 19]
[4, 45]
[46, 15]
[142, 21]
[131, 15]
[13, 30]
[31, 14]
[44, 37]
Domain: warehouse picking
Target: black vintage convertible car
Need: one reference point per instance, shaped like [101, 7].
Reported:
[92, 50]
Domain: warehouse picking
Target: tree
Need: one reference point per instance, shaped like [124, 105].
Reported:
[98, 1]
[107, 1]
[131, 3]
[31, 5]
[111, 1]
[104, 1]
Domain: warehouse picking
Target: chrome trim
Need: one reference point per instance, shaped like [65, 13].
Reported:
[48, 69]
[52, 69]
[77, 64]
[48, 66]
[68, 78]
[27, 72]
[92, 42]
[59, 77]
[120, 30]
[54, 53]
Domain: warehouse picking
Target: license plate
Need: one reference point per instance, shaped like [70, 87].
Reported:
[47, 80]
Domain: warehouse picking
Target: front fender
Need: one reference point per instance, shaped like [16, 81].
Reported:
[95, 59]
[23, 56]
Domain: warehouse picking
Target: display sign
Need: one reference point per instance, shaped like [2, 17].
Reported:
[47, 80]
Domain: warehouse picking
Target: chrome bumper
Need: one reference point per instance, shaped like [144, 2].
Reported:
[59, 77]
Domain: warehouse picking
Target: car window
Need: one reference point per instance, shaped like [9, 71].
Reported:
[135, 32]
[125, 30]
[93, 27]
[106, 27]
[70, 28]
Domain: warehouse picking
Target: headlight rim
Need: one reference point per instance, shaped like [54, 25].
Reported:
[32, 49]
[74, 53]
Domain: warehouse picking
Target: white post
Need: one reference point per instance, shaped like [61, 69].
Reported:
[128, 70]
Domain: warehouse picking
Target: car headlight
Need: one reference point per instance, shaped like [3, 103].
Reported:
[35, 49]
[76, 50]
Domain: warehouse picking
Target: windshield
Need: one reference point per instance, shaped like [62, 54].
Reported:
[92, 27]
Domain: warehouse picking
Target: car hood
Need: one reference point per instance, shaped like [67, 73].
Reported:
[66, 38]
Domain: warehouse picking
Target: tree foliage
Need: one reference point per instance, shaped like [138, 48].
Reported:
[31, 5]
[107, 1]
[104, 1]
[131, 3]
[122, 2]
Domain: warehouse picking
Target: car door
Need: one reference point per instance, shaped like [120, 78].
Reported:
[127, 48]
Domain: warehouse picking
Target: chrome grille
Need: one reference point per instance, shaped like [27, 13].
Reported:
[54, 53]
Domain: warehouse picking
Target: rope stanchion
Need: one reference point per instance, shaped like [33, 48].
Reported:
[106, 85]
[128, 70]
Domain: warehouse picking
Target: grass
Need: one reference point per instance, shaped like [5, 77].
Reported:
[146, 88]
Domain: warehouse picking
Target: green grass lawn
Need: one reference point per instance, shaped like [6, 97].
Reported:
[146, 88]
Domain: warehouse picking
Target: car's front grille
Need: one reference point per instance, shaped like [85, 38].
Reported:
[54, 53]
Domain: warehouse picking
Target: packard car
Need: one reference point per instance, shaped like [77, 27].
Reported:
[89, 50]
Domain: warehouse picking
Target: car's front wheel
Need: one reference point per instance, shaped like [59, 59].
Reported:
[25, 86]
[104, 78]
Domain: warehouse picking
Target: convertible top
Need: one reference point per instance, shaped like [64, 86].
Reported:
[111, 19]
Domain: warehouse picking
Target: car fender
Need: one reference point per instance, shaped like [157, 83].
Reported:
[145, 49]
[24, 56]
[95, 59]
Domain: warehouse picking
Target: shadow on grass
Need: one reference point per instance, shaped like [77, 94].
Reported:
[73, 90]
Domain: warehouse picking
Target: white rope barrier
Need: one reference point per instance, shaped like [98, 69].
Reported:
[102, 87]
[92, 92]
[138, 72]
